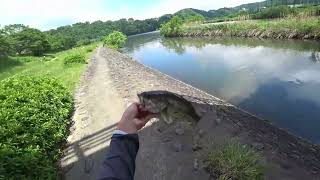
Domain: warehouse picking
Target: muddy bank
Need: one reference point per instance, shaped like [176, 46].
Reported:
[287, 156]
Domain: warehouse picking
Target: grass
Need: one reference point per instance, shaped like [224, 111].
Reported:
[280, 11]
[235, 162]
[270, 28]
[51, 66]
[300, 24]
[35, 105]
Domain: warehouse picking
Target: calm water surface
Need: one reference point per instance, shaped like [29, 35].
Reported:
[276, 80]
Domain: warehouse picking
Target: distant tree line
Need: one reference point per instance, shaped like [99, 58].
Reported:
[18, 39]
[83, 33]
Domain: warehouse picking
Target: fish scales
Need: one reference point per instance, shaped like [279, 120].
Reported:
[170, 106]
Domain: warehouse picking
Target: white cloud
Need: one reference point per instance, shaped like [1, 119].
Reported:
[40, 13]
[46, 14]
[172, 6]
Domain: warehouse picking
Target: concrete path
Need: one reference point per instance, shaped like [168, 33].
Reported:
[98, 109]
[110, 83]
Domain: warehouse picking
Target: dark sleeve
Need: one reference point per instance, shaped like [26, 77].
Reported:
[120, 159]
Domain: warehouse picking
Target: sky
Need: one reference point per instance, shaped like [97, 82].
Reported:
[47, 14]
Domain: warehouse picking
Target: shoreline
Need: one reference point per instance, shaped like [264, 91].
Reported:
[113, 80]
[288, 28]
[259, 132]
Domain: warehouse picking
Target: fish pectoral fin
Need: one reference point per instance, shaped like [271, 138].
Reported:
[164, 115]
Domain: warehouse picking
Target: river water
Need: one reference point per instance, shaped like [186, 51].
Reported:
[274, 79]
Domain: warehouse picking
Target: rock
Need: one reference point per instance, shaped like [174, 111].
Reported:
[196, 145]
[166, 139]
[196, 164]
[84, 118]
[177, 147]
[294, 156]
[200, 133]
[88, 165]
[218, 120]
[306, 36]
[292, 144]
[258, 146]
[179, 131]
[72, 128]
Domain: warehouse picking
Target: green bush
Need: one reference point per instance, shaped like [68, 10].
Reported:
[76, 58]
[115, 40]
[172, 28]
[235, 161]
[275, 12]
[34, 115]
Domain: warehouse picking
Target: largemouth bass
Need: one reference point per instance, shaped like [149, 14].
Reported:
[170, 106]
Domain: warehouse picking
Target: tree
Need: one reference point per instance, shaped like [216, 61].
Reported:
[31, 41]
[12, 29]
[172, 28]
[115, 40]
[5, 46]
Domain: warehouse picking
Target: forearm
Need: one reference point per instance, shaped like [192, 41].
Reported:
[120, 159]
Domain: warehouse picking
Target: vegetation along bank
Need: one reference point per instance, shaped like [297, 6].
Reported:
[35, 104]
[280, 22]
[36, 101]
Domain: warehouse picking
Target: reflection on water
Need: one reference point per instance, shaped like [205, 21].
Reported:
[276, 80]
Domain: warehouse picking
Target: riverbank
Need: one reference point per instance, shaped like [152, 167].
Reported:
[114, 79]
[286, 28]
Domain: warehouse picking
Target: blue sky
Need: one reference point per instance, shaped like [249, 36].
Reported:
[47, 14]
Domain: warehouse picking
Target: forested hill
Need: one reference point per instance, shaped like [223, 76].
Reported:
[251, 7]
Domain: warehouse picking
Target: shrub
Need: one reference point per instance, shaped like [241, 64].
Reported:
[172, 28]
[235, 161]
[34, 114]
[82, 42]
[75, 58]
[115, 40]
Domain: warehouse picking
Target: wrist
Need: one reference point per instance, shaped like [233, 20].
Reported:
[126, 129]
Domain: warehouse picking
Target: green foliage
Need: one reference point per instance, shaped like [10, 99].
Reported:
[34, 115]
[54, 67]
[31, 41]
[83, 42]
[235, 161]
[24, 40]
[274, 12]
[185, 14]
[75, 58]
[115, 40]
[195, 19]
[13, 29]
[66, 37]
[5, 46]
[172, 28]
[294, 27]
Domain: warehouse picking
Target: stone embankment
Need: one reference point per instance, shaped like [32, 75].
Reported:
[163, 150]
[171, 151]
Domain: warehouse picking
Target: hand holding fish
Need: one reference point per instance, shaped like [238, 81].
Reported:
[134, 118]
